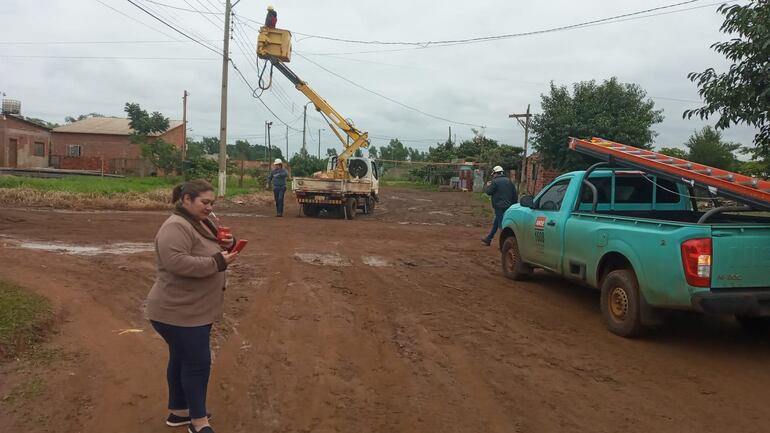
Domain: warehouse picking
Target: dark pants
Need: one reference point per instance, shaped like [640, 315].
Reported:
[498, 222]
[278, 193]
[189, 364]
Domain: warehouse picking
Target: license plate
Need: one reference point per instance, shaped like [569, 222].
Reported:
[320, 198]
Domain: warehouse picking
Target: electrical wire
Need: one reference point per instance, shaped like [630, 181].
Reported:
[387, 98]
[174, 28]
[136, 20]
[180, 8]
[107, 57]
[173, 18]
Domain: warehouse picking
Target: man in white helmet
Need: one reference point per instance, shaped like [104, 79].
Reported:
[277, 178]
[503, 194]
[272, 17]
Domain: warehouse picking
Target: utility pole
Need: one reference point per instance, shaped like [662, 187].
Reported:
[184, 125]
[450, 134]
[319, 143]
[287, 142]
[304, 126]
[524, 124]
[223, 107]
[269, 145]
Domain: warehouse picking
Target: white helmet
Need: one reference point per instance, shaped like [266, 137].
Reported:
[278, 161]
[497, 169]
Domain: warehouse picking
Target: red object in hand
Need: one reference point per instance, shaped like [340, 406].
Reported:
[240, 245]
[222, 233]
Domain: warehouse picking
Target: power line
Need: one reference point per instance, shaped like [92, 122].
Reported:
[175, 29]
[425, 44]
[136, 20]
[107, 57]
[387, 98]
[182, 9]
[177, 21]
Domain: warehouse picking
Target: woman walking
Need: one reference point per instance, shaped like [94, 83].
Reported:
[187, 298]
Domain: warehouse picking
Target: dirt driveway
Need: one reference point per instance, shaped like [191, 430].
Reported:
[397, 322]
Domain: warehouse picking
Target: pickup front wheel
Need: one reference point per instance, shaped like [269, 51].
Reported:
[620, 303]
[513, 267]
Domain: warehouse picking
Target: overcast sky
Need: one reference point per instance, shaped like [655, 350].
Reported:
[64, 58]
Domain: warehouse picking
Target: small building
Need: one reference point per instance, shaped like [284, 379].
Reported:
[23, 144]
[104, 143]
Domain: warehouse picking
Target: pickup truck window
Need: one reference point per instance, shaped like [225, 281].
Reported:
[637, 189]
[551, 199]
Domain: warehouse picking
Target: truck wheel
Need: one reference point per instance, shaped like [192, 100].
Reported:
[620, 303]
[513, 267]
[372, 204]
[351, 206]
[311, 210]
[754, 323]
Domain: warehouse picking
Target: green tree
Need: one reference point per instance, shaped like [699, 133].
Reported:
[71, 119]
[306, 165]
[706, 147]
[210, 145]
[612, 110]
[373, 152]
[330, 152]
[509, 157]
[742, 94]
[395, 150]
[674, 152]
[146, 127]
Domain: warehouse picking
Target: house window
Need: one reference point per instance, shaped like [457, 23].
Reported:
[38, 149]
[74, 150]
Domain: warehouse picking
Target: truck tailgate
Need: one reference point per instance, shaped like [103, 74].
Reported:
[741, 256]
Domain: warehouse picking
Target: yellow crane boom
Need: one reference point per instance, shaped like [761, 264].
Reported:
[274, 45]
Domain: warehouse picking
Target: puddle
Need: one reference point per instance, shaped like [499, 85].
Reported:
[423, 199]
[323, 259]
[420, 224]
[376, 262]
[88, 250]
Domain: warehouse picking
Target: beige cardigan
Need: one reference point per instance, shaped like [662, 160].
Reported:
[189, 288]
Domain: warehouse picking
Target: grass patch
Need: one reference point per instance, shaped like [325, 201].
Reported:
[23, 319]
[88, 192]
[27, 390]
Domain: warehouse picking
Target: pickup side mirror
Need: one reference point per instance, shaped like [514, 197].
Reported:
[527, 201]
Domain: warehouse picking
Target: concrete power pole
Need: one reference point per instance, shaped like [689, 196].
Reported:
[223, 107]
[269, 145]
[287, 142]
[304, 126]
[184, 124]
[524, 124]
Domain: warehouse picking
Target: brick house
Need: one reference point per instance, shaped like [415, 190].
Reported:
[23, 144]
[538, 175]
[105, 143]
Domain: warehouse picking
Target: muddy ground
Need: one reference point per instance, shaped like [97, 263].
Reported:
[396, 322]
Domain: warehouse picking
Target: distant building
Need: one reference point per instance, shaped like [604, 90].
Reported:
[99, 143]
[538, 175]
[23, 144]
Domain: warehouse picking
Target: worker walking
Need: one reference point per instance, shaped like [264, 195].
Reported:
[272, 17]
[503, 194]
[277, 178]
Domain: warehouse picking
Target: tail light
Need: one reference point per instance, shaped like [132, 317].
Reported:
[696, 259]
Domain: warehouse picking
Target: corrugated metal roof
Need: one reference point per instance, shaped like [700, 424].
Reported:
[105, 125]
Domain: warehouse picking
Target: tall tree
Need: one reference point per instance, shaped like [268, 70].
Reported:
[674, 152]
[146, 127]
[611, 110]
[706, 147]
[742, 94]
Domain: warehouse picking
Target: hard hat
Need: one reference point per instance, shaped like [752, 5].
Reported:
[278, 161]
[497, 169]
[269, 7]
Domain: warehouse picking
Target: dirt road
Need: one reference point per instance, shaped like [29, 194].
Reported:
[396, 322]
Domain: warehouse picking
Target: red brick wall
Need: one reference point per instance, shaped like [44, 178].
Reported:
[87, 163]
[96, 145]
[174, 136]
[538, 176]
[26, 135]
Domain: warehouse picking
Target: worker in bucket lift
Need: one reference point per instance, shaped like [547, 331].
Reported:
[503, 194]
[277, 178]
[272, 17]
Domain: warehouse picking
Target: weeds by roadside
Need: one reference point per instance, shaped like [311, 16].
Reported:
[23, 319]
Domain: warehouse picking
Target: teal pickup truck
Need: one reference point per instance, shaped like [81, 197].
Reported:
[642, 241]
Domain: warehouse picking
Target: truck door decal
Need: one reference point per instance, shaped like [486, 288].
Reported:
[540, 231]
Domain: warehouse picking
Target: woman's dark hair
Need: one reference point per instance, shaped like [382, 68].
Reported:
[193, 188]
